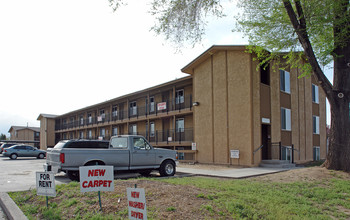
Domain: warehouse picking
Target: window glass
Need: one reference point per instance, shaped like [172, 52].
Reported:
[315, 93]
[316, 153]
[140, 144]
[285, 81]
[180, 125]
[285, 119]
[152, 129]
[316, 124]
[179, 96]
[119, 142]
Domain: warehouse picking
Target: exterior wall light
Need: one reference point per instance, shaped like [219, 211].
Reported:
[195, 104]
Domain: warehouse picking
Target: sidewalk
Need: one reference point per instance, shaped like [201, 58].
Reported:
[235, 173]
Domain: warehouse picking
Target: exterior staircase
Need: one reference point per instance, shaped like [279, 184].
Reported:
[277, 164]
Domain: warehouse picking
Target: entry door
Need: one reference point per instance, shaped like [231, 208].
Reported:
[266, 141]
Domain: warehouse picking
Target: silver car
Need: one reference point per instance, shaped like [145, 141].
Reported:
[23, 151]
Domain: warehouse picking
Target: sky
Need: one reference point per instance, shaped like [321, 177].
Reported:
[57, 56]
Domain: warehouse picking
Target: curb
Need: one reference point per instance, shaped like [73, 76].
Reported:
[11, 210]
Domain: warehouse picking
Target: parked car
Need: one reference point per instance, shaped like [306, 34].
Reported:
[5, 145]
[23, 151]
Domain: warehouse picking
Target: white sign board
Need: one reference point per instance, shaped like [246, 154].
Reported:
[136, 203]
[96, 178]
[194, 146]
[235, 154]
[265, 120]
[45, 184]
[161, 106]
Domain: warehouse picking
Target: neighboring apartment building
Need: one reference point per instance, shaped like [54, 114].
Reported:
[225, 107]
[23, 134]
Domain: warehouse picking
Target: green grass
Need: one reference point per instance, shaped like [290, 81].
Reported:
[244, 199]
[225, 199]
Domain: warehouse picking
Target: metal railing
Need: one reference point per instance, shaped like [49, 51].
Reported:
[154, 108]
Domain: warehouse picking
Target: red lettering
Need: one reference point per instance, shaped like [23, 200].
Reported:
[137, 205]
[102, 172]
[138, 215]
[90, 173]
[84, 184]
[90, 184]
[135, 194]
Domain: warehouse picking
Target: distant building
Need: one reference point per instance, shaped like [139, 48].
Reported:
[23, 134]
[47, 130]
[221, 114]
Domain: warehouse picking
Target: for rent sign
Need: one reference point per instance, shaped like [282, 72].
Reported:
[96, 178]
[45, 184]
[137, 203]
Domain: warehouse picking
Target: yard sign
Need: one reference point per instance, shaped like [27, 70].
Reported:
[137, 203]
[96, 178]
[45, 184]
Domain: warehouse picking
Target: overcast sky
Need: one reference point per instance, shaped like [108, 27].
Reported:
[57, 56]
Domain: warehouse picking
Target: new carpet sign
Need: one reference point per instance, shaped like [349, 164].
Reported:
[96, 178]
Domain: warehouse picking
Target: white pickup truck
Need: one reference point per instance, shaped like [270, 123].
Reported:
[125, 153]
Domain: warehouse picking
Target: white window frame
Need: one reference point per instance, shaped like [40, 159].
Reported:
[179, 98]
[102, 113]
[90, 118]
[133, 129]
[286, 119]
[89, 134]
[315, 94]
[151, 129]
[316, 124]
[133, 108]
[285, 81]
[81, 120]
[115, 131]
[102, 132]
[180, 125]
[81, 134]
[115, 111]
[151, 104]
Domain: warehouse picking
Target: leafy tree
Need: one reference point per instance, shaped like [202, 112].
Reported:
[318, 29]
[2, 136]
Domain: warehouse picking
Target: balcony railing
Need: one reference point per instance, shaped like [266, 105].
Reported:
[154, 108]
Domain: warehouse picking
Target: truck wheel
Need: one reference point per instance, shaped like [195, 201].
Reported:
[73, 175]
[13, 156]
[167, 168]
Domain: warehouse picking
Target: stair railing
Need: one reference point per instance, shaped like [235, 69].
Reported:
[259, 148]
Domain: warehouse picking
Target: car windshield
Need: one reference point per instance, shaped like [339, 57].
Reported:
[59, 145]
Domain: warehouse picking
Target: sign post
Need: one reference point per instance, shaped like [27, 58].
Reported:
[45, 185]
[137, 203]
[96, 178]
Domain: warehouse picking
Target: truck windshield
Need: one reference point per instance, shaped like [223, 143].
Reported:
[119, 142]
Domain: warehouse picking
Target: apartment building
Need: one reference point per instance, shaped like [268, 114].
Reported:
[225, 112]
[23, 134]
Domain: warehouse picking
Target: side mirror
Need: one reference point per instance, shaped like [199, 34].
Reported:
[148, 147]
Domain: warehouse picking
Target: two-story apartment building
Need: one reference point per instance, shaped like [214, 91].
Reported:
[225, 106]
[23, 134]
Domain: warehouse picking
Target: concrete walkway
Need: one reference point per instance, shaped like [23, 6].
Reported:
[235, 173]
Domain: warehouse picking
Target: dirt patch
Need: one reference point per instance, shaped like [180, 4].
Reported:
[304, 175]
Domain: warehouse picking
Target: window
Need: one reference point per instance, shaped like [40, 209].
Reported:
[119, 142]
[115, 131]
[81, 120]
[89, 134]
[315, 94]
[286, 153]
[64, 136]
[285, 81]
[115, 111]
[140, 144]
[316, 124]
[133, 108]
[285, 119]
[90, 118]
[81, 134]
[102, 132]
[152, 129]
[133, 129]
[316, 153]
[179, 96]
[151, 104]
[102, 113]
[180, 125]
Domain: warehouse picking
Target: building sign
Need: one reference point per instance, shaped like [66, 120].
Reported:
[265, 120]
[96, 178]
[45, 184]
[136, 203]
[235, 154]
[194, 146]
[161, 106]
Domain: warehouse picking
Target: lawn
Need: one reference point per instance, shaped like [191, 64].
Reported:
[309, 193]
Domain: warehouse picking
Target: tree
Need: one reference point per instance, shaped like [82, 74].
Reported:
[2, 136]
[320, 29]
